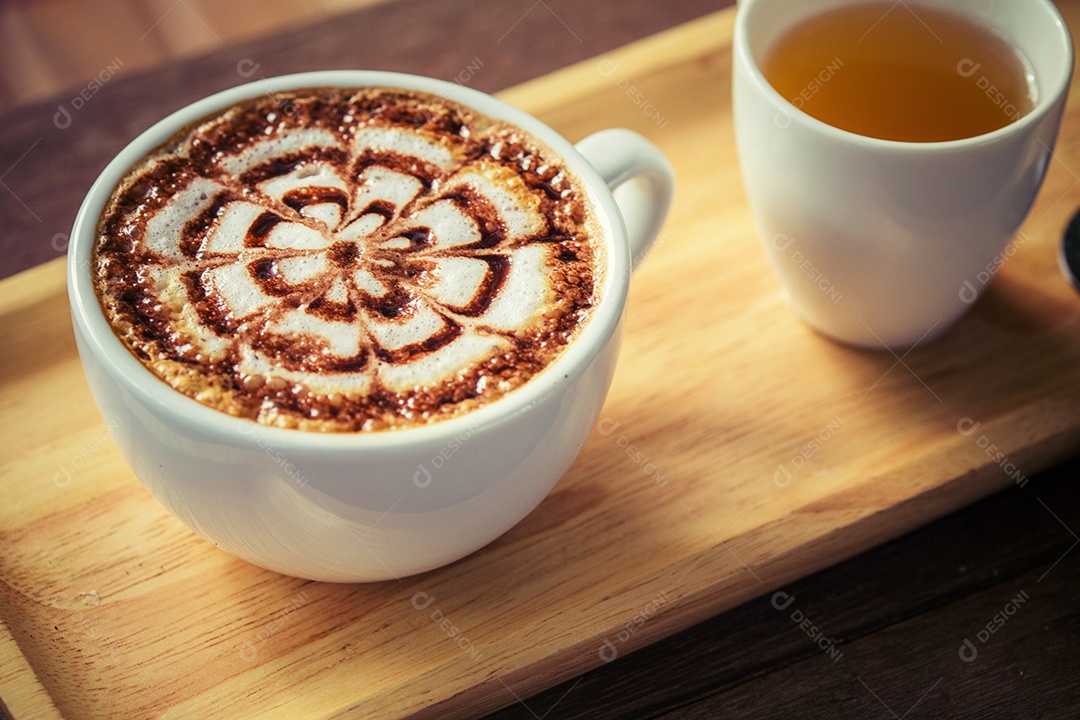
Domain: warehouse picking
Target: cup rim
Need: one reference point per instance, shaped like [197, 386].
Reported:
[1046, 103]
[181, 410]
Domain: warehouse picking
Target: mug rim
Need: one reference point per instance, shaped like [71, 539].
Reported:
[182, 410]
[1047, 101]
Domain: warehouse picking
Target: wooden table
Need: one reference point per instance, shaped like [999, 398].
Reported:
[878, 635]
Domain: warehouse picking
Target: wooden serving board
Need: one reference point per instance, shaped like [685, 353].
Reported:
[737, 452]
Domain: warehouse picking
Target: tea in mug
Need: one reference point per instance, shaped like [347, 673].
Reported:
[901, 71]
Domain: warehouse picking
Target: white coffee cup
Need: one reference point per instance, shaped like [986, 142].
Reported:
[371, 506]
[884, 243]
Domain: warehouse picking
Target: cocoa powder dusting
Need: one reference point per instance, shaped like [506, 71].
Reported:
[284, 261]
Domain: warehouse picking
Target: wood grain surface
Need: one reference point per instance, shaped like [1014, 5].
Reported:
[58, 47]
[738, 451]
[894, 620]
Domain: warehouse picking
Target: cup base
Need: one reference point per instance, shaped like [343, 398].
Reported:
[866, 339]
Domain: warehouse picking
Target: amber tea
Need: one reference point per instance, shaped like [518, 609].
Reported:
[901, 71]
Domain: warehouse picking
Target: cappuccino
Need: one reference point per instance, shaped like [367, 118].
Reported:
[348, 260]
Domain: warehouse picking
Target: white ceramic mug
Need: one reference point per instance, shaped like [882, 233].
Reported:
[883, 243]
[371, 506]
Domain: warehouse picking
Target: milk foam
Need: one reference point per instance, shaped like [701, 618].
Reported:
[525, 293]
[396, 334]
[318, 174]
[446, 361]
[232, 287]
[301, 268]
[228, 237]
[404, 142]
[449, 226]
[277, 145]
[341, 338]
[378, 183]
[377, 274]
[164, 229]
[294, 236]
[504, 189]
[458, 278]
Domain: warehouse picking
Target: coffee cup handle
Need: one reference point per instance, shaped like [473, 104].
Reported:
[643, 177]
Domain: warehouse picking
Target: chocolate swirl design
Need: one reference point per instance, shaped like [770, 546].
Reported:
[343, 260]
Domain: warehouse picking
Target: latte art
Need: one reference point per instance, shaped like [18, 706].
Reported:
[348, 260]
